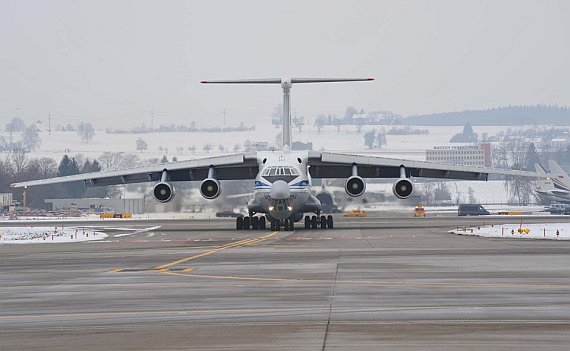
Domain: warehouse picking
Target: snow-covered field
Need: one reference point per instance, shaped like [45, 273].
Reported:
[48, 235]
[550, 231]
[348, 139]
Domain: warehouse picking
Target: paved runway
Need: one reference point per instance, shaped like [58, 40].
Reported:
[374, 283]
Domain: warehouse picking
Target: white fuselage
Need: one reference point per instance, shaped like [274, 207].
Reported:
[283, 186]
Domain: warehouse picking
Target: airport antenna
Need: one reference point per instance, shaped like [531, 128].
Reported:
[286, 84]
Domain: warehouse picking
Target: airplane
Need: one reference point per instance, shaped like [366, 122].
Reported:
[553, 185]
[282, 178]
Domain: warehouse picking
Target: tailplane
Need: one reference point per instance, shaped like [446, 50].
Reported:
[286, 84]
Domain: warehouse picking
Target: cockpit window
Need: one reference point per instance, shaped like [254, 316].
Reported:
[279, 171]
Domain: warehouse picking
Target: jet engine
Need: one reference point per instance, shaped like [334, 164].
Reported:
[163, 191]
[210, 188]
[355, 186]
[403, 188]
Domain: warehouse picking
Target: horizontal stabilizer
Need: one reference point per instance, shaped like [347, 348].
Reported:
[281, 80]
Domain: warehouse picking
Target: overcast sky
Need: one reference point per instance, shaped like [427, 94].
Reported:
[117, 60]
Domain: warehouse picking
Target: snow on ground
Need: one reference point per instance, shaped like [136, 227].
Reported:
[550, 231]
[347, 139]
[48, 235]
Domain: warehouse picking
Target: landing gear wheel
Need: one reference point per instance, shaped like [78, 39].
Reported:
[323, 222]
[314, 222]
[239, 223]
[307, 222]
[262, 223]
[275, 226]
[246, 223]
[288, 225]
[254, 223]
[330, 223]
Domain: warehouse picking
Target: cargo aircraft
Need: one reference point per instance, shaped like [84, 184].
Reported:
[281, 178]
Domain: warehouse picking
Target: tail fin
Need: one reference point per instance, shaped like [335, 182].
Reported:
[555, 169]
[286, 84]
[544, 182]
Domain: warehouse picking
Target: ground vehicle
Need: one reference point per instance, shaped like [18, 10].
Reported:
[419, 211]
[471, 210]
[558, 208]
[355, 213]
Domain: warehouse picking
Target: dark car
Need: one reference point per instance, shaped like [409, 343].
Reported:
[472, 210]
[558, 209]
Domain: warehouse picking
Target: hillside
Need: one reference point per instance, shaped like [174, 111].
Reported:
[507, 115]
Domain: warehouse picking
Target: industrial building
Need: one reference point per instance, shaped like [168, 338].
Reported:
[461, 155]
[135, 206]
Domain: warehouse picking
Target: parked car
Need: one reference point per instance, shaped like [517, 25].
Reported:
[471, 210]
[557, 208]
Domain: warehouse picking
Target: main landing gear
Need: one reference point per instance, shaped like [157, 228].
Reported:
[254, 223]
[247, 223]
[323, 222]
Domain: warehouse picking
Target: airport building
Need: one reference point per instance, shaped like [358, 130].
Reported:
[135, 206]
[461, 155]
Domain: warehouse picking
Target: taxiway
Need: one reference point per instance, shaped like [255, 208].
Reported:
[373, 283]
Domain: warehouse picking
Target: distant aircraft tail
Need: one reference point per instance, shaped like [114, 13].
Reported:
[544, 182]
[559, 177]
[286, 84]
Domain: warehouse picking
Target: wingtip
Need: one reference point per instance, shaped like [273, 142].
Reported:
[371, 78]
[203, 81]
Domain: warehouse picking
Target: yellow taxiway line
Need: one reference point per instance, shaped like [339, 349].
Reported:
[240, 243]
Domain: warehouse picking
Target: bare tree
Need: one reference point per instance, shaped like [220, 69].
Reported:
[141, 145]
[86, 131]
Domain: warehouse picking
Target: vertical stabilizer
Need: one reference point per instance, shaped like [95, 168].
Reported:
[556, 170]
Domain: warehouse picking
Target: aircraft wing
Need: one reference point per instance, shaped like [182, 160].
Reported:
[339, 165]
[238, 166]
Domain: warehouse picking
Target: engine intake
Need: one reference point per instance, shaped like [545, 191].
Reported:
[163, 192]
[355, 186]
[403, 188]
[210, 188]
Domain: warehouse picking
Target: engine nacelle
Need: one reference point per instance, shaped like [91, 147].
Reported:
[210, 188]
[355, 186]
[403, 188]
[163, 192]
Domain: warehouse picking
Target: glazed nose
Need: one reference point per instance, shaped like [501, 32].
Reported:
[280, 190]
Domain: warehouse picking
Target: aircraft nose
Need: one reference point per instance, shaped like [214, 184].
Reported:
[280, 190]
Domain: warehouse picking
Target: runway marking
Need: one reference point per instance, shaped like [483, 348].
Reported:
[167, 266]
[231, 277]
[243, 242]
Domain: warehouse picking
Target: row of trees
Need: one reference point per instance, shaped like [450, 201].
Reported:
[17, 167]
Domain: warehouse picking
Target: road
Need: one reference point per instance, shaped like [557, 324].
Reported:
[374, 283]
